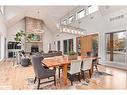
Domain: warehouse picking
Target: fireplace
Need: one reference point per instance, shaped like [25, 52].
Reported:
[34, 49]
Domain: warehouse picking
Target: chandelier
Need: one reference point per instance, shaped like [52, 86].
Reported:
[71, 29]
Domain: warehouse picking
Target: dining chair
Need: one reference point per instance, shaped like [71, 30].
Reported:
[75, 69]
[41, 72]
[86, 66]
[94, 61]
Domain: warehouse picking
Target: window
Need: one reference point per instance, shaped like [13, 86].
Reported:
[92, 9]
[71, 19]
[116, 47]
[65, 22]
[2, 10]
[58, 45]
[68, 46]
[81, 14]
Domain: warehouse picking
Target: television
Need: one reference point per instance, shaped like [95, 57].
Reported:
[35, 38]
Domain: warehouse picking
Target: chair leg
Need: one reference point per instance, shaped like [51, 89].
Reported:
[59, 72]
[38, 83]
[71, 79]
[83, 75]
[79, 77]
[96, 67]
[35, 80]
[54, 80]
[90, 73]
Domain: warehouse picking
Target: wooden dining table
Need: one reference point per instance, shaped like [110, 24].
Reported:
[63, 62]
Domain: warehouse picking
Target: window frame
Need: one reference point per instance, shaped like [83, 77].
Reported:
[70, 19]
[63, 22]
[78, 12]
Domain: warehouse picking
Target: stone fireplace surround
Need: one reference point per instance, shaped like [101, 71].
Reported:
[30, 25]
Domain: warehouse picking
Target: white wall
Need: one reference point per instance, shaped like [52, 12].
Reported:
[3, 36]
[47, 39]
[16, 28]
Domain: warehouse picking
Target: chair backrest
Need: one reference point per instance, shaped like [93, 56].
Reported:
[87, 63]
[37, 65]
[75, 66]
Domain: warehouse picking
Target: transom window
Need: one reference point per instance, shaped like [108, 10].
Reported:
[65, 22]
[2, 10]
[80, 14]
[71, 19]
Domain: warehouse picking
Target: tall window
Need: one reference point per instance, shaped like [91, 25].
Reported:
[81, 14]
[68, 46]
[64, 22]
[71, 19]
[2, 10]
[65, 47]
[92, 9]
[58, 45]
[116, 46]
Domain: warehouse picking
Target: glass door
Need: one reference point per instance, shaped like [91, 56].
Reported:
[67, 46]
[116, 47]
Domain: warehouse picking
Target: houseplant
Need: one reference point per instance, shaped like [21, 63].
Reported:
[72, 55]
[19, 35]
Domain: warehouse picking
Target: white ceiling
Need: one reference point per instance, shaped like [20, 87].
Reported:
[49, 14]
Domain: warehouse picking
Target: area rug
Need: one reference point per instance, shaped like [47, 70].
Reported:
[98, 74]
[59, 83]
[47, 86]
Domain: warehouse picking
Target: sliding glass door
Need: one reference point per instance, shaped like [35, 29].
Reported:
[116, 47]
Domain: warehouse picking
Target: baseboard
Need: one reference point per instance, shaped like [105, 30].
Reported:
[115, 66]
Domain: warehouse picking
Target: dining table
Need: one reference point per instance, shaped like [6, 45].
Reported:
[63, 62]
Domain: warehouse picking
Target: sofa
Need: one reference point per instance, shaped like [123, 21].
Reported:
[52, 54]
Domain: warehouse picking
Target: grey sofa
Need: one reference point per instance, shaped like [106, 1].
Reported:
[23, 59]
[52, 54]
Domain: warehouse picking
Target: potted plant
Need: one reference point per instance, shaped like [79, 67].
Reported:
[19, 35]
[72, 55]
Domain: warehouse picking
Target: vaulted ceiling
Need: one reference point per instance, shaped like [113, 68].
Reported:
[49, 14]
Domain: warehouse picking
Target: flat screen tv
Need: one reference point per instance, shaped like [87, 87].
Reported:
[35, 38]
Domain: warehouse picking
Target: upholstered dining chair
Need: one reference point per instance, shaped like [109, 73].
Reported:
[94, 61]
[41, 72]
[75, 69]
[86, 66]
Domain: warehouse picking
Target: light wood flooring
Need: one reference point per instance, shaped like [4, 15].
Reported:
[15, 77]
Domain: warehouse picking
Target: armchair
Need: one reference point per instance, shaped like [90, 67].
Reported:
[41, 72]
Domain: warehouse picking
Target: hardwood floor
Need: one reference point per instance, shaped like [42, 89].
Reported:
[15, 77]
